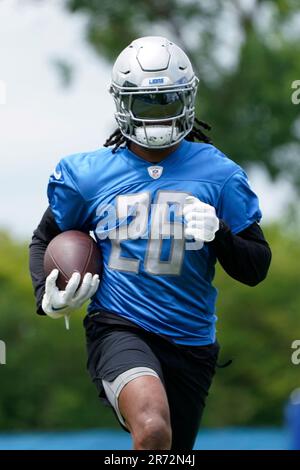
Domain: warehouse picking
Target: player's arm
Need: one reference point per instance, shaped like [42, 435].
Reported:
[240, 245]
[42, 236]
[232, 229]
[245, 256]
[49, 299]
[67, 210]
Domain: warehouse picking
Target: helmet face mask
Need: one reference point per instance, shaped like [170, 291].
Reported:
[157, 109]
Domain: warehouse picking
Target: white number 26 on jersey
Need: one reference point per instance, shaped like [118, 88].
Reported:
[160, 229]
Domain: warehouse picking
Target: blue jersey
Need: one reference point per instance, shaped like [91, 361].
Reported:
[156, 280]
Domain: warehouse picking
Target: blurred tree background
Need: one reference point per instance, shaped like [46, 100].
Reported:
[246, 55]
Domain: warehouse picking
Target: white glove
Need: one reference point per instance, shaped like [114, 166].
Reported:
[57, 302]
[201, 220]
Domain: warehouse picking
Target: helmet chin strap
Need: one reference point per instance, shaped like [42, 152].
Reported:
[156, 135]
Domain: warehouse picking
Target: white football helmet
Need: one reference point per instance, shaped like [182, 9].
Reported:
[154, 88]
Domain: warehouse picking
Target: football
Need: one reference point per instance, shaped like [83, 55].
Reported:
[72, 251]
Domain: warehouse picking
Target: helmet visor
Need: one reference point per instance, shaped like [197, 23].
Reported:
[157, 105]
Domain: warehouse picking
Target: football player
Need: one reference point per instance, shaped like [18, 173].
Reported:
[164, 205]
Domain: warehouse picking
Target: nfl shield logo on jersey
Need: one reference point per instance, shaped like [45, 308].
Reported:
[155, 171]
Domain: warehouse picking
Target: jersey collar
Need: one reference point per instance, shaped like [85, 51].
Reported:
[134, 160]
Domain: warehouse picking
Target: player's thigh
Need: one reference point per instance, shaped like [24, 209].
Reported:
[125, 369]
[114, 350]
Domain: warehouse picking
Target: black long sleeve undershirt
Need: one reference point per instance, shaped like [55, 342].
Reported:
[42, 236]
[245, 256]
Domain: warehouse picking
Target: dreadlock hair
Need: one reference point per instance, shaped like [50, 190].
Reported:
[116, 139]
[197, 134]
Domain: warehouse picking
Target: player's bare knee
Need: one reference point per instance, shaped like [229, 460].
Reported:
[153, 433]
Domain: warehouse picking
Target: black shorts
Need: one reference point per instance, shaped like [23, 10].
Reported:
[115, 345]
